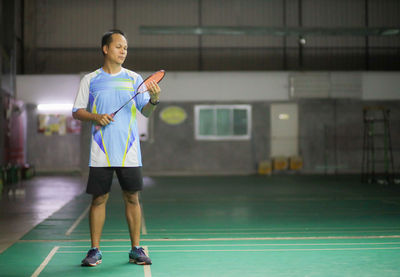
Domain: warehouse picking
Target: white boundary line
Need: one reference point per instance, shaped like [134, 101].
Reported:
[229, 239]
[84, 213]
[221, 230]
[239, 245]
[280, 250]
[278, 238]
[45, 262]
[77, 221]
[143, 223]
[42, 266]
[309, 229]
[247, 233]
[146, 268]
[248, 250]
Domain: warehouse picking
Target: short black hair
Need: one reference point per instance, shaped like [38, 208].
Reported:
[107, 37]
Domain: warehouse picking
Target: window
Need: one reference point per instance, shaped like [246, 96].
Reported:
[222, 122]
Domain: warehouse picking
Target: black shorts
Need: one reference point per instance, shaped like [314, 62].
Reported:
[100, 179]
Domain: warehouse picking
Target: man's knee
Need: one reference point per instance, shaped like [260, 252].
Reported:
[131, 197]
[100, 200]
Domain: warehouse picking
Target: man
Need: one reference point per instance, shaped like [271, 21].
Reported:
[115, 146]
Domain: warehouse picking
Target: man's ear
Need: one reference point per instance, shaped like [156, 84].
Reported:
[105, 49]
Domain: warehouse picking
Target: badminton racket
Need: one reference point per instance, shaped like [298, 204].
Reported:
[143, 87]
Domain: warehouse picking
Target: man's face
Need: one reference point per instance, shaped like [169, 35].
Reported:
[117, 50]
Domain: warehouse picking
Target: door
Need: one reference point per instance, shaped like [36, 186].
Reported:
[284, 130]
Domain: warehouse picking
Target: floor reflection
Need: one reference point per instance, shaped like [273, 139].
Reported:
[27, 203]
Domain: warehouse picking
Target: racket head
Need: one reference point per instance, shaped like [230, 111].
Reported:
[156, 76]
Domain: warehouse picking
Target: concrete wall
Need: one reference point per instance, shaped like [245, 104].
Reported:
[330, 140]
[174, 150]
[331, 129]
[210, 86]
[53, 153]
[380, 85]
[331, 134]
[47, 89]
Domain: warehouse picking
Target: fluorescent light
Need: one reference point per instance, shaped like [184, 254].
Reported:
[391, 32]
[284, 116]
[54, 107]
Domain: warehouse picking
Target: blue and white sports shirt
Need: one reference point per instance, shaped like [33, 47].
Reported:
[116, 144]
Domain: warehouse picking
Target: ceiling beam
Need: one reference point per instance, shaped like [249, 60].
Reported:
[269, 31]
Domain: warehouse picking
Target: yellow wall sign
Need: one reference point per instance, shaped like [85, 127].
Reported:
[173, 115]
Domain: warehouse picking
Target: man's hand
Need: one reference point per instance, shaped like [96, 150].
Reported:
[99, 119]
[103, 119]
[154, 91]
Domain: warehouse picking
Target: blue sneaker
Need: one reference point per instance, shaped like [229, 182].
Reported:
[93, 257]
[138, 256]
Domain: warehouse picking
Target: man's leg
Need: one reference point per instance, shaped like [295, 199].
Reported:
[97, 216]
[133, 216]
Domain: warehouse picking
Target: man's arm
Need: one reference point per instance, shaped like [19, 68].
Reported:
[154, 91]
[99, 119]
[148, 109]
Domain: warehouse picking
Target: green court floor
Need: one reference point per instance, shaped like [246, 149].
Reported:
[227, 226]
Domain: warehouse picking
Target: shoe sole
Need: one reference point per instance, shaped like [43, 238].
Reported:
[97, 263]
[133, 261]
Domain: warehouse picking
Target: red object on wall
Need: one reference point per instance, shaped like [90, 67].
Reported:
[15, 138]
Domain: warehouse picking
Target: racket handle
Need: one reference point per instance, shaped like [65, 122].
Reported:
[98, 127]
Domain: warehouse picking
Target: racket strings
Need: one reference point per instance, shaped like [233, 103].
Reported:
[156, 77]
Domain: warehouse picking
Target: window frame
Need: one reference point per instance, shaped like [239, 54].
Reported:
[198, 108]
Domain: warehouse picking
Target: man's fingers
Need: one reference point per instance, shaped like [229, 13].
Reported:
[105, 119]
[154, 88]
[110, 117]
[103, 122]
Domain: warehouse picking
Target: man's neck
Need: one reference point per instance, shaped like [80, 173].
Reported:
[111, 68]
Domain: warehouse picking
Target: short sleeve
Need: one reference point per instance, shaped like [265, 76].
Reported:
[82, 97]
